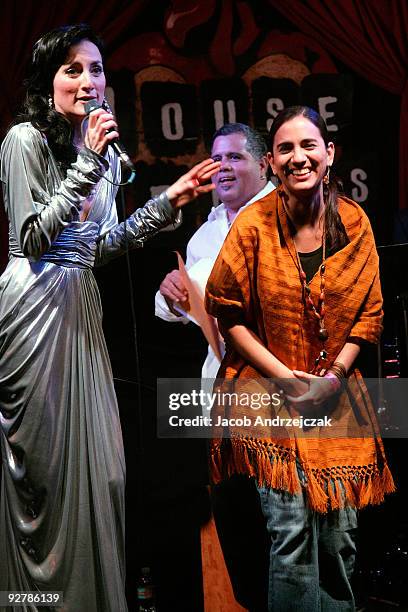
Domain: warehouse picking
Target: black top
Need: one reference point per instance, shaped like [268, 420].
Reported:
[311, 262]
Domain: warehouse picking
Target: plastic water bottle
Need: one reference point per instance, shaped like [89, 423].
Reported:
[145, 592]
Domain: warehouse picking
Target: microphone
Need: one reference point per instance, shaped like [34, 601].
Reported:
[116, 145]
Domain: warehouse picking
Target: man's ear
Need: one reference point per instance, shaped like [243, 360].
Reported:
[263, 164]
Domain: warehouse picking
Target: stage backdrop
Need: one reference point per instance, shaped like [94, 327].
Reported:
[179, 69]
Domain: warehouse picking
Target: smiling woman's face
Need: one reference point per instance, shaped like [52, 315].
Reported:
[80, 79]
[300, 156]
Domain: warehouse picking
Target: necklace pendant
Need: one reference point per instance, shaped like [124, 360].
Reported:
[317, 367]
[323, 334]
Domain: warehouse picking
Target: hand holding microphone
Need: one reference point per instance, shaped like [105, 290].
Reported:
[102, 131]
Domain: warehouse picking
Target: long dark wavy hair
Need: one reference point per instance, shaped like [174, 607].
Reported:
[49, 53]
[335, 232]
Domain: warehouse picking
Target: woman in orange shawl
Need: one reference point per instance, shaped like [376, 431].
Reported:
[296, 291]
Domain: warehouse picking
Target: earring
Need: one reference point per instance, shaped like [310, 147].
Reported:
[278, 184]
[50, 102]
[326, 178]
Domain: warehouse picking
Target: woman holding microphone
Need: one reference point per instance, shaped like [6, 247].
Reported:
[62, 497]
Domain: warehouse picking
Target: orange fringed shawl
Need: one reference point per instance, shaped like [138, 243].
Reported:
[255, 282]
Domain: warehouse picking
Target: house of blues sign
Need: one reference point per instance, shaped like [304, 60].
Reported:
[173, 89]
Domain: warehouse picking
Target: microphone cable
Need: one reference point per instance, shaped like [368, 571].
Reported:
[121, 185]
[131, 178]
[139, 416]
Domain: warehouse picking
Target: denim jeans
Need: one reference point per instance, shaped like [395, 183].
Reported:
[312, 555]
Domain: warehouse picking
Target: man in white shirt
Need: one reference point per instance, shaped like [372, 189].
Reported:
[241, 180]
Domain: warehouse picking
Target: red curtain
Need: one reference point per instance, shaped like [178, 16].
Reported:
[370, 36]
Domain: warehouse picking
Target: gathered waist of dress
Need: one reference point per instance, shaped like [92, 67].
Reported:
[75, 247]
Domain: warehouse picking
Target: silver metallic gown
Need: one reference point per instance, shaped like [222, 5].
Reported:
[62, 492]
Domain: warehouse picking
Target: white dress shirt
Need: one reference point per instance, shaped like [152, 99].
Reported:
[206, 243]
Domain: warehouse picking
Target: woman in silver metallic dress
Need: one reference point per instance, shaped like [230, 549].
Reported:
[62, 491]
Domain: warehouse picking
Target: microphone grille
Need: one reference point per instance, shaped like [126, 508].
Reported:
[91, 105]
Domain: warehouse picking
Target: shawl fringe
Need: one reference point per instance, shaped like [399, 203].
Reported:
[274, 466]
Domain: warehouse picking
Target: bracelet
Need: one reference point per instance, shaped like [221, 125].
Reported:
[336, 374]
[338, 369]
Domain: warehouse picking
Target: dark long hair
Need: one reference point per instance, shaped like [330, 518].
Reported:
[49, 53]
[335, 232]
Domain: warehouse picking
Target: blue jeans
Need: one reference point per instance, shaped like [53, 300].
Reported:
[312, 555]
